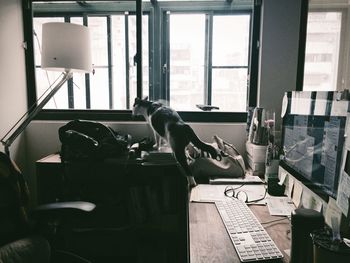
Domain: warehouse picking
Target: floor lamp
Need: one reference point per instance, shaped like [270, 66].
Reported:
[65, 47]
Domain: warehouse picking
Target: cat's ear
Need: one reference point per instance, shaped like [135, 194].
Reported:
[136, 101]
[145, 98]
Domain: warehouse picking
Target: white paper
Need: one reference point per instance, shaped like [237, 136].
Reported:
[311, 202]
[332, 211]
[298, 191]
[339, 108]
[301, 102]
[290, 186]
[208, 193]
[321, 103]
[280, 206]
[344, 193]
[212, 193]
[282, 178]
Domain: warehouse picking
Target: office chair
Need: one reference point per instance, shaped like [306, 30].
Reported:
[21, 236]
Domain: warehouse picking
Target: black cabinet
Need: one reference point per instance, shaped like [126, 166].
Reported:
[141, 210]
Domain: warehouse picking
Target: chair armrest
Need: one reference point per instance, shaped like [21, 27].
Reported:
[63, 208]
[28, 249]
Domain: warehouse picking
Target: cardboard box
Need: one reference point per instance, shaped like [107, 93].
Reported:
[258, 168]
[257, 153]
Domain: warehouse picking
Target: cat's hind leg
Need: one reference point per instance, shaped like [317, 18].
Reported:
[182, 160]
[158, 141]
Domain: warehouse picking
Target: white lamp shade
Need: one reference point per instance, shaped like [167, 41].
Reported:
[66, 47]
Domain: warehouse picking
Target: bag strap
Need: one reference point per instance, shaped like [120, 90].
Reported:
[221, 145]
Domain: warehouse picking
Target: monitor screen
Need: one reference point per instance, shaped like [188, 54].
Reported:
[313, 138]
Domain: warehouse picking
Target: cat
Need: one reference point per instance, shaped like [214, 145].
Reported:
[166, 123]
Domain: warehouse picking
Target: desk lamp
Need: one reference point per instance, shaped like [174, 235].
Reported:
[65, 47]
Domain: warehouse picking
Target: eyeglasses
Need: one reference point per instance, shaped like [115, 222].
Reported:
[240, 194]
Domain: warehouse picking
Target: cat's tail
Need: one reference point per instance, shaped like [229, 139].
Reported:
[192, 137]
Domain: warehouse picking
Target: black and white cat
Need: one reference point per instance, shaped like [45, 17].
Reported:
[167, 124]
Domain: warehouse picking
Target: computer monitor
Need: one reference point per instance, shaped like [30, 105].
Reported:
[313, 129]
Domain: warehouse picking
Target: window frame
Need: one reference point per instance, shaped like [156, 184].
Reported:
[343, 65]
[155, 10]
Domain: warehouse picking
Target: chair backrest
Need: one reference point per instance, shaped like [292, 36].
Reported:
[14, 199]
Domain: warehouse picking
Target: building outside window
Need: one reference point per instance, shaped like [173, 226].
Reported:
[322, 51]
[327, 51]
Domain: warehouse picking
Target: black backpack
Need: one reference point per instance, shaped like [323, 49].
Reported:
[89, 140]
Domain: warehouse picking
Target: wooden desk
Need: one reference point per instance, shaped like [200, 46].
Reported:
[151, 200]
[209, 241]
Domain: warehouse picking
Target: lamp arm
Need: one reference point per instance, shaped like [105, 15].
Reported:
[7, 143]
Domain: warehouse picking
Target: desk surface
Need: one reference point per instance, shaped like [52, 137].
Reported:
[209, 241]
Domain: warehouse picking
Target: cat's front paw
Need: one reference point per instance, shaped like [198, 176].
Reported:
[155, 146]
[214, 154]
[191, 181]
[218, 156]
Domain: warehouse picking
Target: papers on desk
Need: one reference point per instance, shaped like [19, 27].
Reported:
[249, 179]
[343, 197]
[208, 193]
[211, 193]
[280, 206]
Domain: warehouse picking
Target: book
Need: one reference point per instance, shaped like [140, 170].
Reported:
[156, 156]
[250, 179]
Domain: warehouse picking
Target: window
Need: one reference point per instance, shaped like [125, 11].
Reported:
[187, 58]
[192, 53]
[325, 39]
[230, 62]
[209, 61]
[112, 85]
[322, 50]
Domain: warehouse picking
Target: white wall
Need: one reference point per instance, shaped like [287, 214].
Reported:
[279, 43]
[13, 96]
[278, 71]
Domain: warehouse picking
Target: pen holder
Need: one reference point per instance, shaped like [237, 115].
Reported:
[271, 178]
[328, 250]
[271, 170]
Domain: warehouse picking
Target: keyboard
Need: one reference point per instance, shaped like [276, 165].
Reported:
[250, 239]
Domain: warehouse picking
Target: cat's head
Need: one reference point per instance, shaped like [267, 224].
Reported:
[140, 106]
